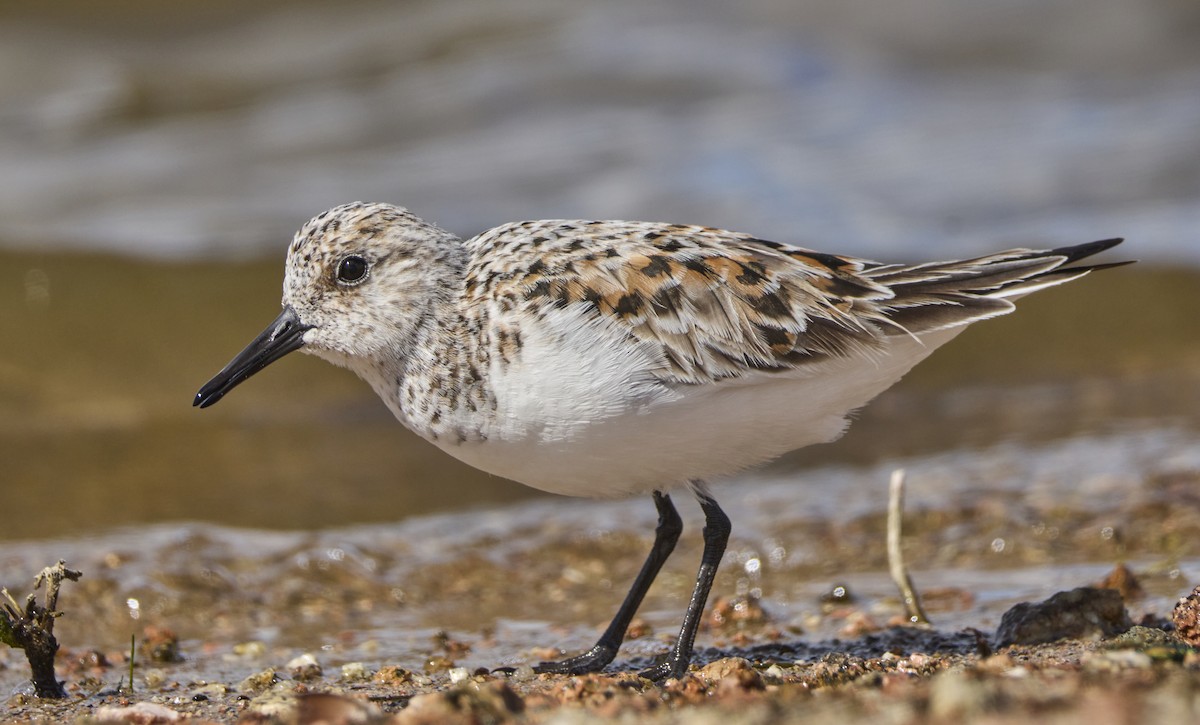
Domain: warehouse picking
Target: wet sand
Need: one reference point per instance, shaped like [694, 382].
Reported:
[408, 620]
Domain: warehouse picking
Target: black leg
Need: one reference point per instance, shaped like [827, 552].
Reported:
[716, 535]
[598, 657]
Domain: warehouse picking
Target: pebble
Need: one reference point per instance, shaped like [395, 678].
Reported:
[492, 701]
[393, 675]
[1186, 617]
[355, 672]
[142, 713]
[1123, 580]
[1114, 660]
[731, 673]
[259, 680]
[250, 649]
[305, 667]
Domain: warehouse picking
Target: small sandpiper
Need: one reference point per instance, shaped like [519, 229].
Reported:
[604, 358]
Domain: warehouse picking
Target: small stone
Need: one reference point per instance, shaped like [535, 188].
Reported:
[1114, 660]
[391, 675]
[1142, 638]
[1186, 617]
[280, 706]
[154, 678]
[638, 628]
[250, 649]
[1153, 642]
[438, 663]
[142, 713]
[288, 687]
[355, 672]
[450, 646]
[304, 668]
[458, 674]
[259, 681]
[1122, 579]
[730, 674]
[161, 644]
[212, 690]
[91, 659]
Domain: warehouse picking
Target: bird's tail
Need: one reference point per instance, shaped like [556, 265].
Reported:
[939, 295]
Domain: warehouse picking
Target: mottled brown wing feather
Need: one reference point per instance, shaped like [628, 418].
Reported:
[721, 304]
[718, 304]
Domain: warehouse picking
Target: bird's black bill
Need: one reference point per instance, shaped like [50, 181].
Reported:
[282, 336]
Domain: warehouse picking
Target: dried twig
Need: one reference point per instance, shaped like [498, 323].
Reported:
[31, 628]
[912, 603]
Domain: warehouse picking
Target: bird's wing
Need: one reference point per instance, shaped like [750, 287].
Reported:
[720, 304]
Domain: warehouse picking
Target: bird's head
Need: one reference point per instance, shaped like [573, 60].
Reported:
[360, 280]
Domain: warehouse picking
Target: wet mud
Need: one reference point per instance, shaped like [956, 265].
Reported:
[410, 621]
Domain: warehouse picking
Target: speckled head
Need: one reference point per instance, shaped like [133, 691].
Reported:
[360, 280]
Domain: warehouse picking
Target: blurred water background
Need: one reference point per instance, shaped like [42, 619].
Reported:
[919, 128]
[155, 159]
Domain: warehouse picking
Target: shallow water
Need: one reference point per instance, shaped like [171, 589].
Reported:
[100, 433]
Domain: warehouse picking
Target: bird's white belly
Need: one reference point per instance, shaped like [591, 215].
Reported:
[582, 415]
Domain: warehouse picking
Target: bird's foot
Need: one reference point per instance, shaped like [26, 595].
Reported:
[672, 668]
[594, 660]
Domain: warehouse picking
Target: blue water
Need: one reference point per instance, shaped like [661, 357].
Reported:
[922, 129]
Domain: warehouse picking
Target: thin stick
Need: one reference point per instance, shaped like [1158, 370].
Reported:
[132, 653]
[912, 603]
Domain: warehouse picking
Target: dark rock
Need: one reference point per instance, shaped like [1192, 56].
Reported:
[1083, 613]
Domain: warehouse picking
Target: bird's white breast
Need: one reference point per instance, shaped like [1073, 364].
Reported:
[581, 412]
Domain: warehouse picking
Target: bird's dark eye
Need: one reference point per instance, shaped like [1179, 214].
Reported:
[352, 269]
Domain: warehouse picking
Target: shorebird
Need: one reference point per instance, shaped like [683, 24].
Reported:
[605, 358]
